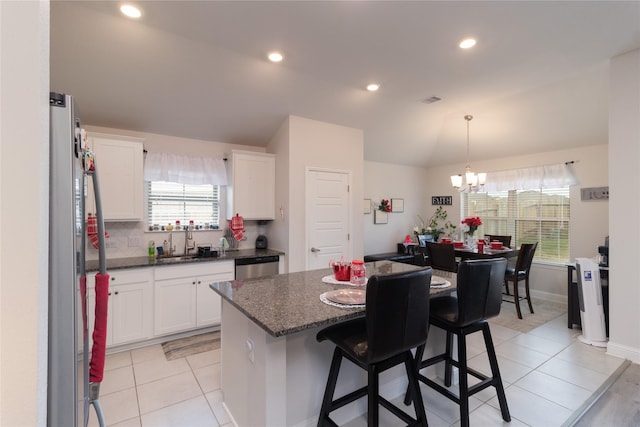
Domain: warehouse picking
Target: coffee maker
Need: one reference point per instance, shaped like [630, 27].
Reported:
[603, 253]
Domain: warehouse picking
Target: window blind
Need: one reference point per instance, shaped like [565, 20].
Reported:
[170, 201]
[528, 216]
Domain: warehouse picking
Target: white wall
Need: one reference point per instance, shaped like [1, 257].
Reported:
[322, 145]
[279, 234]
[119, 232]
[387, 181]
[589, 219]
[624, 151]
[24, 184]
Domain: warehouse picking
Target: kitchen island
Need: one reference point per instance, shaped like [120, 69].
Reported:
[273, 369]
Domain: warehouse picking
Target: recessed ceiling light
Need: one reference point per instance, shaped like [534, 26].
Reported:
[130, 11]
[275, 57]
[467, 43]
[373, 87]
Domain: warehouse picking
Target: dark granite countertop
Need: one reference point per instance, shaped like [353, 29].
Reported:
[288, 303]
[136, 262]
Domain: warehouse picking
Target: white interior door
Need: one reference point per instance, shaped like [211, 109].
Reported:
[328, 213]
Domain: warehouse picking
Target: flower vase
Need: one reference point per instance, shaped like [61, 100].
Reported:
[471, 241]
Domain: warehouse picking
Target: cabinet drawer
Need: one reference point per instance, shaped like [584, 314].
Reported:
[195, 269]
[121, 277]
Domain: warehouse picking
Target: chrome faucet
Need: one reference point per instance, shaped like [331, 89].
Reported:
[188, 237]
[171, 248]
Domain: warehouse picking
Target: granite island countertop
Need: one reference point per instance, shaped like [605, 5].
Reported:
[288, 303]
[136, 262]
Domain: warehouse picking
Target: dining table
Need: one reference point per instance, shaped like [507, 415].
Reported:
[487, 253]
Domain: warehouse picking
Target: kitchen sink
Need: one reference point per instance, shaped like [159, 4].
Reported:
[174, 259]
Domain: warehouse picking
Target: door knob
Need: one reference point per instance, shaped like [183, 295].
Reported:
[315, 250]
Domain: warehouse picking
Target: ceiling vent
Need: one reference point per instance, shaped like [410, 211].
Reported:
[431, 100]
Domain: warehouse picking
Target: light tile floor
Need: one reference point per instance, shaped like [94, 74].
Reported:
[547, 374]
[142, 388]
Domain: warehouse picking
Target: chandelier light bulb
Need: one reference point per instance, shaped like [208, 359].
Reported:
[473, 181]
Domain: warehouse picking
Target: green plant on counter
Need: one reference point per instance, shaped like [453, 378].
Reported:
[437, 226]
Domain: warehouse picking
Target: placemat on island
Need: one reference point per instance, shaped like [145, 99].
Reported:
[332, 281]
[439, 282]
[323, 298]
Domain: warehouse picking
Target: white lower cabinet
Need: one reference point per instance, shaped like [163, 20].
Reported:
[183, 299]
[130, 307]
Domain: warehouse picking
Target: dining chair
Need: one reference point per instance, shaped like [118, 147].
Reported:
[396, 321]
[442, 256]
[420, 257]
[478, 298]
[505, 240]
[520, 272]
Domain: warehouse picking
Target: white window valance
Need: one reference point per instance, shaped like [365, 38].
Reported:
[171, 167]
[536, 177]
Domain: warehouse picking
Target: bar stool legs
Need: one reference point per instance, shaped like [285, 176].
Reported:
[466, 391]
[372, 391]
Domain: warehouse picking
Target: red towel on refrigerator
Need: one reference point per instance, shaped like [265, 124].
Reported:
[92, 230]
[237, 227]
[96, 367]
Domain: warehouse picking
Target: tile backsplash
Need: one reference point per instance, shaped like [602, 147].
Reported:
[131, 239]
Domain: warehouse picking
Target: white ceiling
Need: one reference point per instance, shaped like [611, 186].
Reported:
[536, 81]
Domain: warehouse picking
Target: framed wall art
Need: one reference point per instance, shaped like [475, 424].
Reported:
[397, 205]
[380, 217]
[366, 206]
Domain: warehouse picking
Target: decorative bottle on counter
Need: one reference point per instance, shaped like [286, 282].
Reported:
[358, 272]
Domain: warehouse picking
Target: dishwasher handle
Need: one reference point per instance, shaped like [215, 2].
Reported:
[257, 260]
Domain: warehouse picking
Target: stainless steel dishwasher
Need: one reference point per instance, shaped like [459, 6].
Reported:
[249, 268]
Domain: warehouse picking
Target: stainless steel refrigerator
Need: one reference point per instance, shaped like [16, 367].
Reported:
[74, 372]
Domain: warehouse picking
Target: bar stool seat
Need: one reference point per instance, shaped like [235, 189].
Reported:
[396, 321]
[479, 285]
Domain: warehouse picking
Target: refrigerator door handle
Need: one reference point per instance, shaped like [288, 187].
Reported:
[101, 288]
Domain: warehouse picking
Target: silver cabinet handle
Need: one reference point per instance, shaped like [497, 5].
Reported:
[315, 250]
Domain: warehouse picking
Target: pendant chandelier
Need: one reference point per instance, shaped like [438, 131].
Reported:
[473, 181]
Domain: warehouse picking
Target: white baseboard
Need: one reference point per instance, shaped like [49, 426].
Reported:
[619, 350]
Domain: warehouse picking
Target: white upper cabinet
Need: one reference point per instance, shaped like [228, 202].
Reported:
[119, 164]
[252, 185]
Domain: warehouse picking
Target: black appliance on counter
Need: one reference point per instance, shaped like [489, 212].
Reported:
[262, 242]
[603, 254]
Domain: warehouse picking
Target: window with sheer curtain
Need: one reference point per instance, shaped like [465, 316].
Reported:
[183, 188]
[171, 201]
[528, 216]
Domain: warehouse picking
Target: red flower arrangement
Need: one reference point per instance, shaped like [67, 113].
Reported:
[384, 206]
[472, 223]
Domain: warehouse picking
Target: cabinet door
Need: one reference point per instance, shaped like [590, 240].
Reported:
[131, 312]
[209, 309]
[175, 305]
[253, 186]
[119, 166]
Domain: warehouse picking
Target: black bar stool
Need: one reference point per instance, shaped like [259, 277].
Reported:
[521, 272]
[479, 296]
[396, 321]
